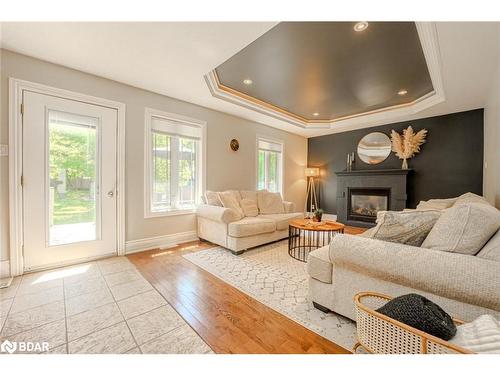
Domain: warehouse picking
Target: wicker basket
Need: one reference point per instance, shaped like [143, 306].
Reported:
[380, 334]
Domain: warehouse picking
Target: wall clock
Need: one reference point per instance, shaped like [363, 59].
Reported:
[234, 144]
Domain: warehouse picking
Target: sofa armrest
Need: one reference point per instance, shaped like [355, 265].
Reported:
[289, 207]
[461, 277]
[216, 213]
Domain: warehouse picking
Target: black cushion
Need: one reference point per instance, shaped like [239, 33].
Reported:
[418, 312]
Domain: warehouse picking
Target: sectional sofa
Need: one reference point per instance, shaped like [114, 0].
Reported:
[457, 265]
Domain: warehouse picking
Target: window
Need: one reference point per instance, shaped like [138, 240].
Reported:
[269, 165]
[174, 170]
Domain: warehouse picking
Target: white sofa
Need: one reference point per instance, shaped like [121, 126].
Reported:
[465, 285]
[222, 226]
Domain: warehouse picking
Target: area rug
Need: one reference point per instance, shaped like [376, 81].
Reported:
[273, 278]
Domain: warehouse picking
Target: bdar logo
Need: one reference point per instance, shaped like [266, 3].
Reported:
[9, 347]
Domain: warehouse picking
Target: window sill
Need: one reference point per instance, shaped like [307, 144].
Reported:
[188, 211]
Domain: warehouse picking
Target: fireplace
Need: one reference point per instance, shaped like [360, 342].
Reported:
[361, 193]
[364, 203]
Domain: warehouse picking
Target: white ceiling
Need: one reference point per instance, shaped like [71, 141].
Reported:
[171, 58]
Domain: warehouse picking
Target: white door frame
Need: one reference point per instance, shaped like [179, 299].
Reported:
[16, 87]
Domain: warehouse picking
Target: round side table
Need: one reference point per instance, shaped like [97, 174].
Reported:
[304, 236]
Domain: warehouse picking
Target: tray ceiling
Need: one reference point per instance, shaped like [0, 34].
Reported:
[322, 72]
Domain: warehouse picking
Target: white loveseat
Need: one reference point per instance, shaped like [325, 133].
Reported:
[465, 285]
[224, 226]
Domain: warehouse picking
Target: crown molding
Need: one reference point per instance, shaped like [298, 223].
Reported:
[429, 41]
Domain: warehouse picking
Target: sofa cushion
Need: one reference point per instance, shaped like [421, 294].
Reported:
[319, 266]
[270, 203]
[249, 207]
[408, 227]
[282, 220]
[436, 204]
[251, 226]
[492, 248]
[464, 228]
[470, 198]
[212, 198]
[229, 200]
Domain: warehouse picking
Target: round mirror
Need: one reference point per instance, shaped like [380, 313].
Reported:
[374, 148]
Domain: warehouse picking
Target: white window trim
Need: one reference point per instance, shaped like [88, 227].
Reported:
[273, 140]
[149, 113]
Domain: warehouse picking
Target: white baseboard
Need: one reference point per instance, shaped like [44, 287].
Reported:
[169, 240]
[4, 269]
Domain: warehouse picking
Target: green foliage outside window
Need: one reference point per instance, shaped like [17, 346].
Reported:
[161, 163]
[72, 149]
[268, 170]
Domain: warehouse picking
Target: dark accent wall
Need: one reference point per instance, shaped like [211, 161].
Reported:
[449, 164]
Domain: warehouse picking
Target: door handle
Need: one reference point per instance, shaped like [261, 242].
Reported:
[111, 193]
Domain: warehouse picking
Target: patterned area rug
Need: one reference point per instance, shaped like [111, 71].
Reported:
[272, 277]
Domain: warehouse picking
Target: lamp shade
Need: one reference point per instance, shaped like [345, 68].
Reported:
[312, 172]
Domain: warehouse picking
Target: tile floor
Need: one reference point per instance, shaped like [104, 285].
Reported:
[99, 307]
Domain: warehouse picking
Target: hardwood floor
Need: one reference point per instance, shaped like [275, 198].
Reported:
[227, 319]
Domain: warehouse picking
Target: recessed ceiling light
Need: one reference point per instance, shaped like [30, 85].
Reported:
[315, 114]
[361, 26]
[247, 81]
[402, 92]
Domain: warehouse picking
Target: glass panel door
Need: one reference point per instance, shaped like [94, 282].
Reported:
[69, 181]
[73, 178]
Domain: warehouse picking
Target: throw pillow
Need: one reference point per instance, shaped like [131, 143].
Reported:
[270, 203]
[492, 248]
[407, 227]
[235, 193]
[228, 200]
[470, 198]
[249, 207]
[212, 198]
[419, 312]
[482, 335]
[464, 228]
[436, 204]
[249, 194]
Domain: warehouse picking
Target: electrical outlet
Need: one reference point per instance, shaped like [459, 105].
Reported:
[4, 150]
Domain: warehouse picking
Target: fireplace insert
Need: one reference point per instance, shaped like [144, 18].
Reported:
[364, 203]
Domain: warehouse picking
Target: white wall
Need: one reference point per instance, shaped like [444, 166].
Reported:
[491, 180]
[225, 169]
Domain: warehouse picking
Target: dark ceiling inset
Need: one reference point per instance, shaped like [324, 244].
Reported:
[326, 70]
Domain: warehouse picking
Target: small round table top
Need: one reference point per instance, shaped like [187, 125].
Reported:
[308, 224]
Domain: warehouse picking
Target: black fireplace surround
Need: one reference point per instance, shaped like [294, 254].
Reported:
[361, 193]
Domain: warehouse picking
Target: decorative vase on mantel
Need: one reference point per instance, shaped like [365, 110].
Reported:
[407, 145]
